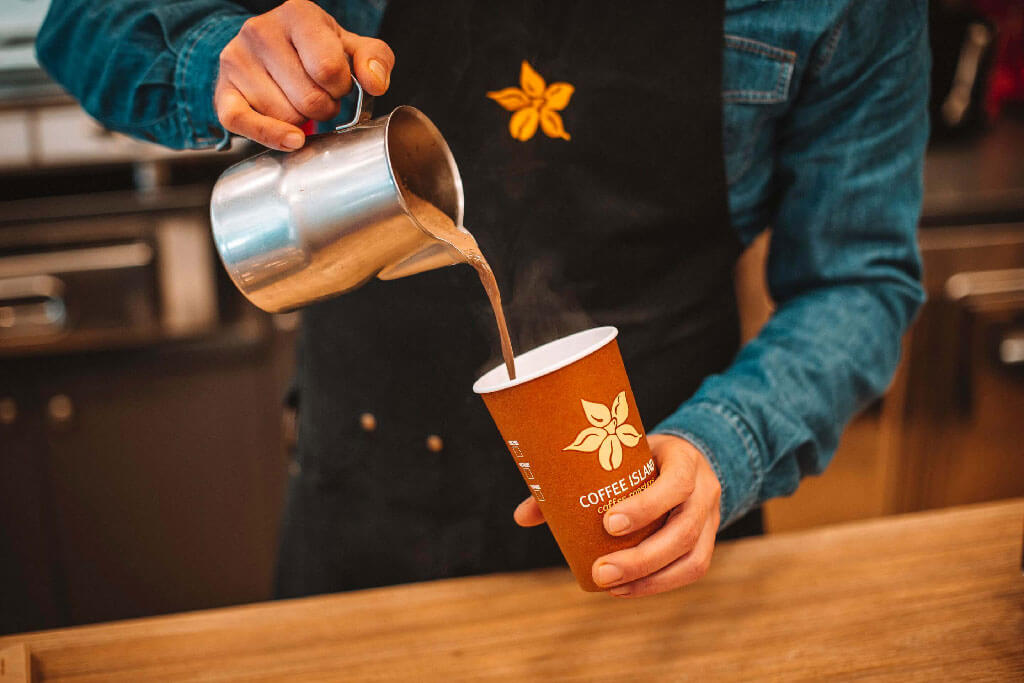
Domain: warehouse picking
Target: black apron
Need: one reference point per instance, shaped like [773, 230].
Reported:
[625, 224]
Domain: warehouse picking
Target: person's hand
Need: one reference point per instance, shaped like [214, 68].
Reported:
[291, 65]
[678, 553]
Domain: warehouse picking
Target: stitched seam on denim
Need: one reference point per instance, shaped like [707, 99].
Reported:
[751, 97]
[785, 74]
[749, 445]
[183, 85]
[746, 44]
[740, 4]
[784, 71]
[831, 43]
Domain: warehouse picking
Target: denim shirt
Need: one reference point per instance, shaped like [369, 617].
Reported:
[825, 123]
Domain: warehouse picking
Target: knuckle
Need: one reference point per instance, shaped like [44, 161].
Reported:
[256, 30]
[229, 117]
[328, 69]
[650, 510]
[697, 570]
[684, 479]
[642, 565]
[299, 9]
[294, 118]
[701, 570]
[690, 575]
[314, 102]
[262, 133]
[688, 537]
[250, 25]
[229, 56]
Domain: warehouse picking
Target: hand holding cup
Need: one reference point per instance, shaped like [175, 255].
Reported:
[571, 423]
[677, 554]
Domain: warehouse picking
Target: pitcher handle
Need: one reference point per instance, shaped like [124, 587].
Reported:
[364, 108]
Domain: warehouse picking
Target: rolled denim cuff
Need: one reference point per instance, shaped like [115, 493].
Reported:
[196, 75]
[729, 445]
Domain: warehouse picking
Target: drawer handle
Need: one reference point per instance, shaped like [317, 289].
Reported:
[1011, 349]
[981, 287]
[131, 255]
[31, 306]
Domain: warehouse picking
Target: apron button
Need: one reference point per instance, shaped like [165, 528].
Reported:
[434, 443]
[8, 411]
[368, 422]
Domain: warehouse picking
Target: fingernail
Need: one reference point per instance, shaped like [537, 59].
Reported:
[292, 140]
[378, 70]
[617, 523]
[621, 591]
[608, 573]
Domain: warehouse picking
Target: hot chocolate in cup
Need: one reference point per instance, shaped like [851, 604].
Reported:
[572, 426]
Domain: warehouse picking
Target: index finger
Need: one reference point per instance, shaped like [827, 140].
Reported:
[372, 60]
[322, 53]
[528, 513]
[673, 486]
[237, 116]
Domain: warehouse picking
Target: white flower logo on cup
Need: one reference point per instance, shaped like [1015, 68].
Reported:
[608, 433]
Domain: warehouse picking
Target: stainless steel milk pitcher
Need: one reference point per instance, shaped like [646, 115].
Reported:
[296, 227]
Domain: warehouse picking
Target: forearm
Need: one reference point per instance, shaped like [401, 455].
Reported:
[777, 413]
[843, 263]
[140, 67]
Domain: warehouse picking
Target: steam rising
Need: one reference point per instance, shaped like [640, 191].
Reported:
[539, 310]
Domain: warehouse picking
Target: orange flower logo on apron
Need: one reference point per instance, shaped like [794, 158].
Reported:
[534, 103]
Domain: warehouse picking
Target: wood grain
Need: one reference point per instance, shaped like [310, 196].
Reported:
[15, 664]
[925, 597]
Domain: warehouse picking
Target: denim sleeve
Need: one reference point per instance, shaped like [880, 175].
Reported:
[141, 67]
[843, 267]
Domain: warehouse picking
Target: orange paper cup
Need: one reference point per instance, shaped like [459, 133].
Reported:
[572, 426]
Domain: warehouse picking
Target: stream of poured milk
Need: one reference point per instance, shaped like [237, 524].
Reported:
[441, 226]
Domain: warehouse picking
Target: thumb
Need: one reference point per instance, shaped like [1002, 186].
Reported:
[372, 61]
[528, 513]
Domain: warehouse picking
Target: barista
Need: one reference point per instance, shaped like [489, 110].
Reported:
[615, 163]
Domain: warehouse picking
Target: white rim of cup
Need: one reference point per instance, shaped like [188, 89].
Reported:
[496, 379]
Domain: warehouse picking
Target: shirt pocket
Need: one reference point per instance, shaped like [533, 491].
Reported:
[755, 84]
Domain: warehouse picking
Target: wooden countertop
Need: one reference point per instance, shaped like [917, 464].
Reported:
[930, 596]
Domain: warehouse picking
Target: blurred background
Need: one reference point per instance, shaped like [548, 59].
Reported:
[144, 441]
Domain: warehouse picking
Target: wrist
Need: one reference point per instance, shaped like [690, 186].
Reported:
[729, 447]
